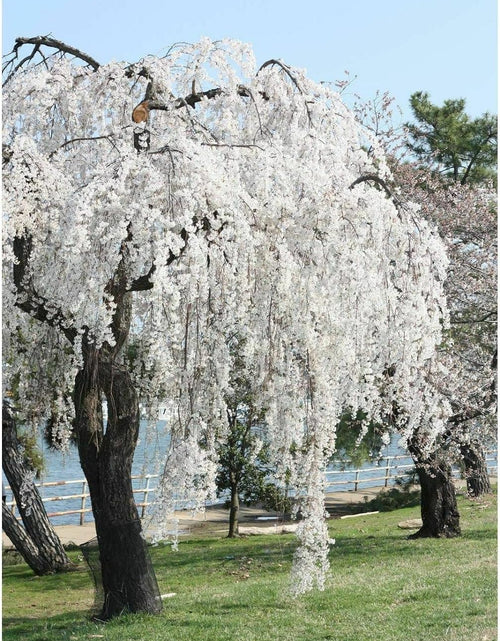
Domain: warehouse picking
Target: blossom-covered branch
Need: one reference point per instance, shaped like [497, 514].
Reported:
[28, 299]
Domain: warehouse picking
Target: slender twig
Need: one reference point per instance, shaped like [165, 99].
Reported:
[83, 139]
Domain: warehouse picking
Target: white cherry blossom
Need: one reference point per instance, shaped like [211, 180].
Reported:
[253, 214]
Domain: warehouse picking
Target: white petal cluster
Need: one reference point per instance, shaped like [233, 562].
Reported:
[187, 483]
[250, 209]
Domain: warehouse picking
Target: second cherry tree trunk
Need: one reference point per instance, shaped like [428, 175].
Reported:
[476, 470]
[438, 503]
[37, 542]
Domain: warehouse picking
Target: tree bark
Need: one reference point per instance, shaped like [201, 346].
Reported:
[23, 544]
[438, 506]
[234, 511]
[129, 583]
[40, 535]
[476, 470]
[128, 580]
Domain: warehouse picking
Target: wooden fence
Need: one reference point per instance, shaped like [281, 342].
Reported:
[383, 474]
[84, 496]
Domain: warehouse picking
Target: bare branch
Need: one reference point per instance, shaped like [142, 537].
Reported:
[191, 100]
[62, 47]
[194, 98]
[167, 149]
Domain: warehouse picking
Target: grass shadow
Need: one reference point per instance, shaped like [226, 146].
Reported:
[60, 626]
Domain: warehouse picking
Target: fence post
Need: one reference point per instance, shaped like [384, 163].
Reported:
[82, 513]
[145, 497]
[356, 481]
[387, 472]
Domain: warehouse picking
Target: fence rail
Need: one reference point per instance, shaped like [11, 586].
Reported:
[84, 495]
[392, 468]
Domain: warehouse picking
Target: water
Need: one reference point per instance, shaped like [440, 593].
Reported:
[66, 467]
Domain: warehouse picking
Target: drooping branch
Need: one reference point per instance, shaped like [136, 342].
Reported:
[60, 46]
[289, 73]
[38, 42]
[285, 68]
[28, 299]
[381, 182]
[84, 139]
[372, 178]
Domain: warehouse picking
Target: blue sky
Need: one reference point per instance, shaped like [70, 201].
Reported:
[445, 47]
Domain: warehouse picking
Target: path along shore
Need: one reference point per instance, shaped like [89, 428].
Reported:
[214, 521]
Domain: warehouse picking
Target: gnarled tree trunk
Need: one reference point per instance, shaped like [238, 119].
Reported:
[440, 516]
[128, 581]
[38, 542]
[476, 470]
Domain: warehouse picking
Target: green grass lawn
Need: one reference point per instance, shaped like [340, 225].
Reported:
[382, 587]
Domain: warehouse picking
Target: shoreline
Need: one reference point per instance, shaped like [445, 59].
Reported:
[252, 520]
[213, 522]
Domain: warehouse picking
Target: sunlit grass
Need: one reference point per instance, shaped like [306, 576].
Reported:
[381, 587]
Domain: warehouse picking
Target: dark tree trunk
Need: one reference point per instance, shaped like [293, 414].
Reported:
[234, 511]
[440, 517]
[476, 470]
[128, 581]
[23, 544]
[40, 535]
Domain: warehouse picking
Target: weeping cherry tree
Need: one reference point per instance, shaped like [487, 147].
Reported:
[167, 207]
